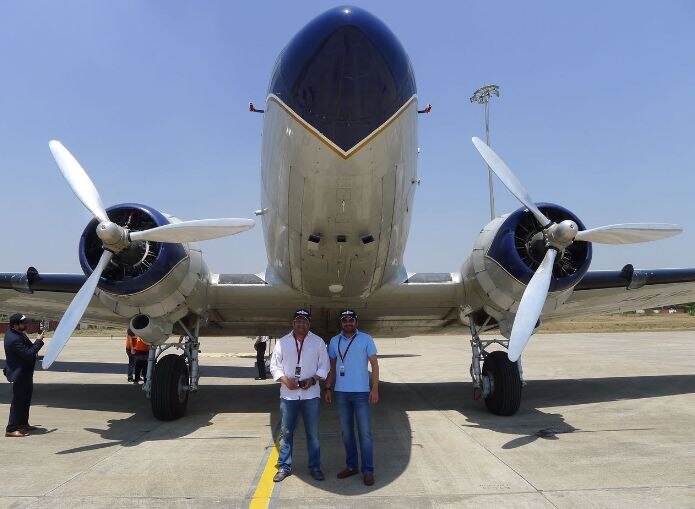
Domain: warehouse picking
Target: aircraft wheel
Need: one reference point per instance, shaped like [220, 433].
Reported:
[505, 397]
[170, 388]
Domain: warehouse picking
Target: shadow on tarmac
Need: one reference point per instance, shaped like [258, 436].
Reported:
[391, 427]
[118, 368]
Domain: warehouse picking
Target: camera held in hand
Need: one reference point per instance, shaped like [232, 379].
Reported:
[305, 384]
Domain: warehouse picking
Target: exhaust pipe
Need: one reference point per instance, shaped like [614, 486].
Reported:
[154, 331]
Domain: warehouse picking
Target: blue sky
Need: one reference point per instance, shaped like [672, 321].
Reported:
[596, 114]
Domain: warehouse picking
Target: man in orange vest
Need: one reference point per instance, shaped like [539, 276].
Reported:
[130, 340]
[140, 351]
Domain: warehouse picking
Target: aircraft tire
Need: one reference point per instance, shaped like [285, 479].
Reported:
[170, 388]
[505, 398]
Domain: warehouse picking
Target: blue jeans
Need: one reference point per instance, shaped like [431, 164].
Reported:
[289, 411]
[355, 406]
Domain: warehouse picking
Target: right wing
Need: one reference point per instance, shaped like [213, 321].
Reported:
[621, 291]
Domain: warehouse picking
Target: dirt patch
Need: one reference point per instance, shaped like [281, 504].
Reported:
[621, 323]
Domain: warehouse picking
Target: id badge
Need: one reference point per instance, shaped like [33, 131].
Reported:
[342, 370]
[298, 372]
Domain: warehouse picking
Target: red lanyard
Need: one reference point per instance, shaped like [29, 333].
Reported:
[299, 349]
[343, 355]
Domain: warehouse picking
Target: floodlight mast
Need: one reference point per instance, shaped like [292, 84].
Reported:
[482, 96]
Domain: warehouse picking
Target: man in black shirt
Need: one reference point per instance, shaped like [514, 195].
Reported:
[20, 354]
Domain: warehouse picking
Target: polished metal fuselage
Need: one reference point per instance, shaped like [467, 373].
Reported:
[336, 222]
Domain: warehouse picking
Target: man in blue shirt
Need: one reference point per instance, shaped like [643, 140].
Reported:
[350, 353]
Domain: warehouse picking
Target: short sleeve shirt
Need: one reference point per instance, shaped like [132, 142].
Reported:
[355, 362]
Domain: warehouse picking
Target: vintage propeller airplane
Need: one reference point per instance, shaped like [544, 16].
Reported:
[339, 173]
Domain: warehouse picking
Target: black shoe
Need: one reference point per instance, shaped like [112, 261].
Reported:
[136, 381]
[280, 476]
[130, 378]
[260, 378]
[317, 474]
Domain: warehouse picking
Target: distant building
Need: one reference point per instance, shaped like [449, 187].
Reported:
[34, 325]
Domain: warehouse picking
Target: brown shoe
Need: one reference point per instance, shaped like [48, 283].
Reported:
[16, 434]
[347, 473]
[368, 478]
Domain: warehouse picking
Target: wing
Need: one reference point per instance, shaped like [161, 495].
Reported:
[425, 303]
[628, 290]
[246, 304]
[46, 296]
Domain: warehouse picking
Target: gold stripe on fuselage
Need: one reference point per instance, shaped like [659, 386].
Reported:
[335, 148]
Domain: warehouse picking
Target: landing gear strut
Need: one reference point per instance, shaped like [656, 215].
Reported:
[171, 379]
[499, 381]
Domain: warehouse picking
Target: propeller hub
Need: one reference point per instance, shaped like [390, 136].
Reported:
[562, 234]
[114, 237]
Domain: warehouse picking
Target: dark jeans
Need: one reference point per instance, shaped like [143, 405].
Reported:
[289, 411]
[22, 390]
[141, 365]
[354, 406]
[131, 364]
[260, 359]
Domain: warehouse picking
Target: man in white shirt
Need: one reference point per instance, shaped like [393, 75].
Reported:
[299, 362]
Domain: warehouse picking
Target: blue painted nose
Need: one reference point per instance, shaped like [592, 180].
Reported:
[345, 73]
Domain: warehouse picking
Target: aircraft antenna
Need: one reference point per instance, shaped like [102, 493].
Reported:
[482, 96]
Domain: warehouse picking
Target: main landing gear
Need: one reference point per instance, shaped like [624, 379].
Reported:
[500, 380]
[171, 379]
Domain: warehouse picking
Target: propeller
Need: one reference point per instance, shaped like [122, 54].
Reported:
[558, 236]
[115, 238]
[194, 231]
[74, 312]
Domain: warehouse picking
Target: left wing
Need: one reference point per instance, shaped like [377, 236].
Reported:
[48, 295]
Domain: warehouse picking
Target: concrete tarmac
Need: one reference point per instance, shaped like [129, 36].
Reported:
[607, 420]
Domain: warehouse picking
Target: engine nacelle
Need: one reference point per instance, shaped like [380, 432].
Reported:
[506, 255]
[160, 280]
[151, 330]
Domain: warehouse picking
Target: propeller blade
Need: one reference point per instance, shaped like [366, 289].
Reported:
[74, 313]
[508, 178]
[195, 231]
[629, 233]
[79, 181]
[531, 306]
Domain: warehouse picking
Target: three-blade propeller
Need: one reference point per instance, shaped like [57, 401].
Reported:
[558, 236]
[116, 238]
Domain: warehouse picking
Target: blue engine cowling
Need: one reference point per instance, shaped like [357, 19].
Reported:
[506, 255]
[513, 248]
[140, 266]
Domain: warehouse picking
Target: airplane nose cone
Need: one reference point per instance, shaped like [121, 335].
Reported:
[345, 73]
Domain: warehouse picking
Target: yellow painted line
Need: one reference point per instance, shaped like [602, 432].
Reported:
[264, 489]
